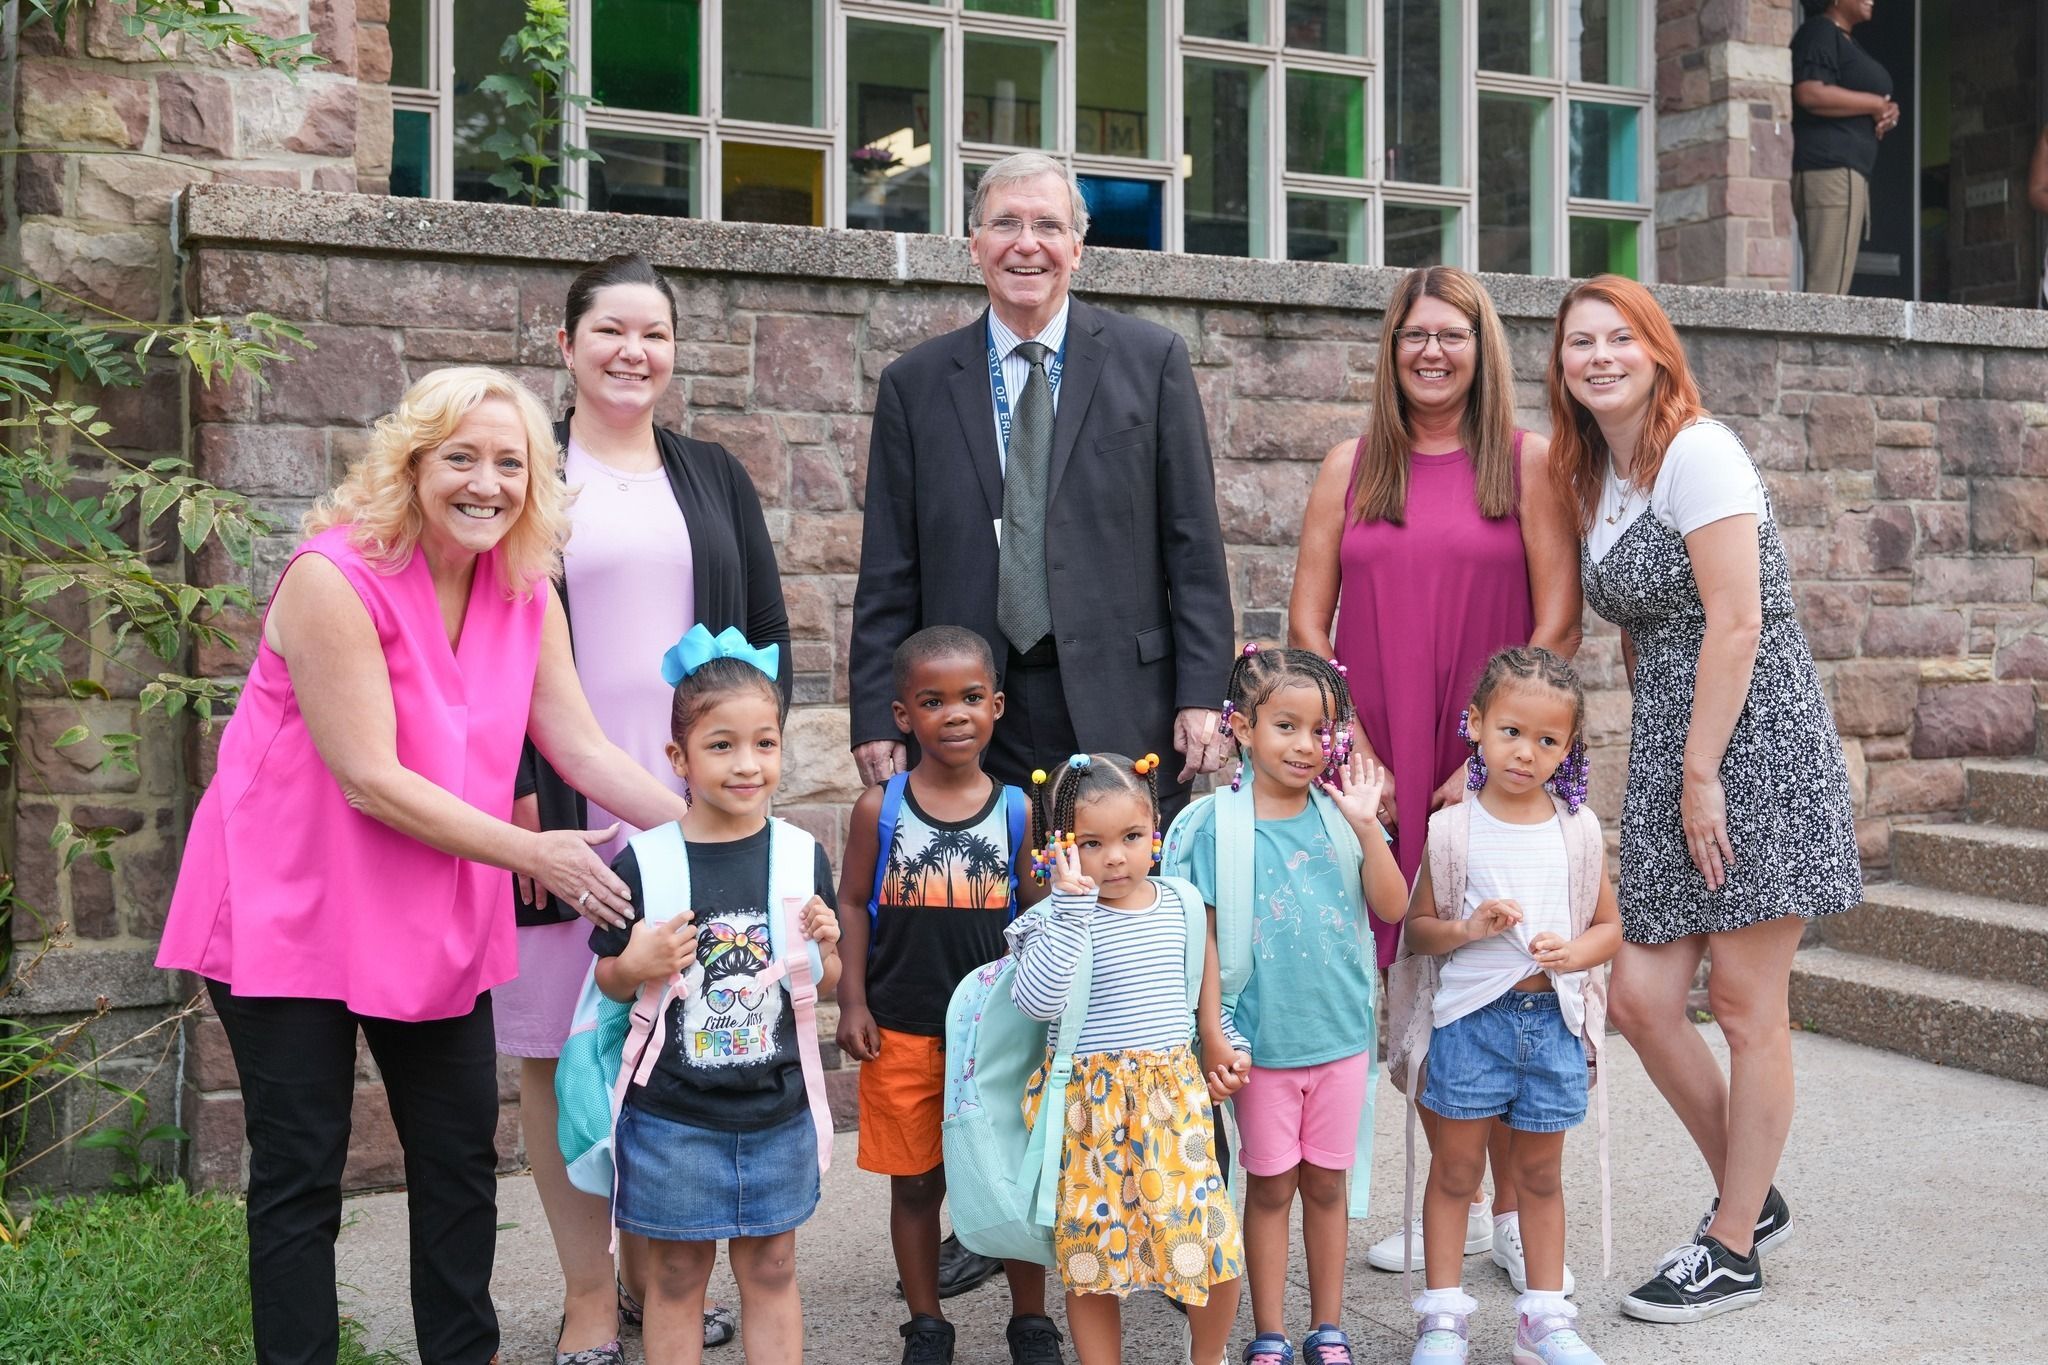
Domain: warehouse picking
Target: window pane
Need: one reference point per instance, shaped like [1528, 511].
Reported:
[1320, 229]
[1118, 71]
[655, 175]
[1126, 213]
[644, 53]
[1422, 80]
[412, 154]
[1011, 91]
[1514, 35]
[1603, 40]
[1239, 20]
[970, 175]
[773, 184]
[409, 46]
[1325, 124]
[1030, 9]
[1515, 179]
[1419, 234]
[892, 86]
[1601, 246]
[481, 27]
[771, 62]
[1225, 137]
[1327, 25]
[1603, 151]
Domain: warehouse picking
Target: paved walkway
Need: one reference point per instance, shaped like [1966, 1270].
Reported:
[1919, 1199]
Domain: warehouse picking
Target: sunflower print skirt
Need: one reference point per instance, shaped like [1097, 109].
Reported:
[1141, 1202]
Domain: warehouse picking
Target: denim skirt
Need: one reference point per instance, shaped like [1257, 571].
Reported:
[682, 1183]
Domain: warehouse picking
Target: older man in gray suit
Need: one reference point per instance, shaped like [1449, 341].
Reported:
[1042, 476]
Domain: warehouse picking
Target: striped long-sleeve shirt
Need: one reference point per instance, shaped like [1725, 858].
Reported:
[1138, 1000]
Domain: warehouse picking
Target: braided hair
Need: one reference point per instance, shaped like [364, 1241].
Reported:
[1532, 666]
[1083, 779]
[1260, 672]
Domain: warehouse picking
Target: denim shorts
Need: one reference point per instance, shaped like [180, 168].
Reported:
[1513, 1059]
[682, 1183]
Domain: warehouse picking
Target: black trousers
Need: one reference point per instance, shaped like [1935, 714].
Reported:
[297, 1060]
[1037, 731]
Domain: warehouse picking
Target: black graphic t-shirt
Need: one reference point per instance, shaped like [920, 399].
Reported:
[730, 1060]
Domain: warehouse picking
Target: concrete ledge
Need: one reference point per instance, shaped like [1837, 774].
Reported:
[248, 217]
[72, 980]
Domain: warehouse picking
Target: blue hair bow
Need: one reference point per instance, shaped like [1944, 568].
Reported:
[699, 647]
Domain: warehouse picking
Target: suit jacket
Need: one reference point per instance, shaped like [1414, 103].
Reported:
[737, 583]
[1140, 591]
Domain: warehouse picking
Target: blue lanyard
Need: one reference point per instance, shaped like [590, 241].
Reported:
[1002, 396]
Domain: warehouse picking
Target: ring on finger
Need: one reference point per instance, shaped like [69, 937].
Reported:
[583, 900]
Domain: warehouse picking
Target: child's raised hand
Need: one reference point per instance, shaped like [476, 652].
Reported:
[1067, 877]
[820, 925]
[1553, 952]
[1228, 1079]
[1494, 917]
[657, 951]
[1358, 790]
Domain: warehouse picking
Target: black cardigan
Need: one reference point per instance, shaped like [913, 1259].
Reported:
[737, 584]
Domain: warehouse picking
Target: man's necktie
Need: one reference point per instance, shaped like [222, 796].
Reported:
[1023, 607]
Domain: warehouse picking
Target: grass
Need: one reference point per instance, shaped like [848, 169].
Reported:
[156, 1278]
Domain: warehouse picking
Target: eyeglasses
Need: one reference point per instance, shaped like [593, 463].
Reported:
[1450, 338]
[1010, 229]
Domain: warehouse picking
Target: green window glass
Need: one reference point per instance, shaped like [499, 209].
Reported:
[651, 175]
[1119, 69]
[1325, 124]
[1011, 91]
[1515, 179]
[1603, 40]
[412, 154]
[1604, 161]
[1026, 9]
[411, 51]
[1416, 235]
[1224, 184]
[1514, 35]
[1325, 229]
[1326, 26]
[771, 62]
[1604, 246]
[1242, 21]
[481, 27]
[1422, 78]
[764, 184]
[894, 82]
[644, 55]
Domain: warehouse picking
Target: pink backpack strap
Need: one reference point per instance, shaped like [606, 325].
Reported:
[1586, 855]
[793, 970]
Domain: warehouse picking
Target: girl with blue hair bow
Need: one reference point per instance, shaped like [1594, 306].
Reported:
[724, 1130]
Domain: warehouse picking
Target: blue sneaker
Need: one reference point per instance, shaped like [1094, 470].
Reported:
[1550, 1340]
[1327, 1345]
[1270, 1348]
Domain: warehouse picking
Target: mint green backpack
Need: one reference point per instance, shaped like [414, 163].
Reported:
[1231, 812]
[1002, 1177]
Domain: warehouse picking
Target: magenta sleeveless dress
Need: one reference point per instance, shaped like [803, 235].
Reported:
[1420, 608]
[288, 891]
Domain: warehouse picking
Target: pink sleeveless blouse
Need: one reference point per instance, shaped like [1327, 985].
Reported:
[288, 891]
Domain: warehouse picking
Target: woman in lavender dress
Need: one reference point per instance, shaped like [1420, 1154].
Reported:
[667, 533]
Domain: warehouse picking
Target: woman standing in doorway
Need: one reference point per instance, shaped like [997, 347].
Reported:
[1841, 107]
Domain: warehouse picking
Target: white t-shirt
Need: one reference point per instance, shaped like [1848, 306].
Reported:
[1706, 476]
[1527, 865]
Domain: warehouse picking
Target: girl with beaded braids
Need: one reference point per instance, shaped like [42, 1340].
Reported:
[1498, 988]
[1140, 1202]
[1287, 860]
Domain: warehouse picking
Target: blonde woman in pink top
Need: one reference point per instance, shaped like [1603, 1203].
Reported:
[348, 866]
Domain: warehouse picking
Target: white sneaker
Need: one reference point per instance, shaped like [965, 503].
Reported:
[1385, 1254]
[1506, 1242]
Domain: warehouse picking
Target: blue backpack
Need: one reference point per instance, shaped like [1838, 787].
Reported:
[1002, 1176]
[1015, 803]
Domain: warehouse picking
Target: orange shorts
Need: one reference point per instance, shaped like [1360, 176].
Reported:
[902, 1095]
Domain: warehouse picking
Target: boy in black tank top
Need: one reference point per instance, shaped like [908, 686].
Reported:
[945, 895]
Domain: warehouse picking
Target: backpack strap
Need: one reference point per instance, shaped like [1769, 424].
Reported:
[1018, 806]
[664, 863]
[1197, 913]
[1044, 1147]
[1585, 854]
[798, 965]
[885, 835]
[1235, 855]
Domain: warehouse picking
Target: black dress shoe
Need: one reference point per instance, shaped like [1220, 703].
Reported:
[960, 1269]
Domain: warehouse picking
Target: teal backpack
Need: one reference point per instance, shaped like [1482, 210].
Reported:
[1232, 813]
[1002, 1177]
[612, 1043]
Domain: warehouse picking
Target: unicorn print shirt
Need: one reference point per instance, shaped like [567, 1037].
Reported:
[729, 1061]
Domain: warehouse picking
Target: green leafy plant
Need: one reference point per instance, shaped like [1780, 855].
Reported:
[169, 24]
[134, 1172]
[537, 93]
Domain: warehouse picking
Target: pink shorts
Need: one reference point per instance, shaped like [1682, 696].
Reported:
[1302, 1113]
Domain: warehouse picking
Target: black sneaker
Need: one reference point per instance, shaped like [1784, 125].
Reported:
[1034, 1341]
[1773, 1225]
[927, 1341]
[1697, 1281]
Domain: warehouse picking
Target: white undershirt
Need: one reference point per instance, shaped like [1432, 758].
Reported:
[1706, 477]
[1525, 864]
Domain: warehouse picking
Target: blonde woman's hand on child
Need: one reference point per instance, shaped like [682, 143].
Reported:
[661, 949]
[1067, 877]
[1359, 790]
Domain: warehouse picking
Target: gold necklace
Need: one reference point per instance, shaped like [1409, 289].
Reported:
[1628, 492]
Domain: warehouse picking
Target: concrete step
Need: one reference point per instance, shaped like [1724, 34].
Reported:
[2008, 791]
[1996, 861]
[1945, 931]
[1989, 1026]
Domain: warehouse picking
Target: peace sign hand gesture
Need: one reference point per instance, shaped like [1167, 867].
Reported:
[1067, 877]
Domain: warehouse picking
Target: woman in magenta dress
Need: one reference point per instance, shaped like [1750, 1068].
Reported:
[1432, 541]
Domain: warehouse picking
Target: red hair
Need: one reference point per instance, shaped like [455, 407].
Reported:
[1578, 452]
